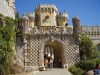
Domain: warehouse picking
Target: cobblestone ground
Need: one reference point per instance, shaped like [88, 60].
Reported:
[52, 72]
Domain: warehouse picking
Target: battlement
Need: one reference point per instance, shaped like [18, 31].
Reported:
[47, 6]
[90, 28]
[92, 31]
[29, 13]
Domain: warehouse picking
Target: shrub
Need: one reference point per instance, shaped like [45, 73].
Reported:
[87, 48]
[6, 46]
[97, 60]
[87, 64]
[76, 71]
[1, 15]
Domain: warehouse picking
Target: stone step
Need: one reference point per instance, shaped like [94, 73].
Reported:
[52, 72]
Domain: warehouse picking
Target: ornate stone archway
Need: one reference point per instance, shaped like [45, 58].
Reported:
[41, 50]
[34, 50]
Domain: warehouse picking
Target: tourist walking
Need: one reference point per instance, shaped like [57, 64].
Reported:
[60, 63]
[46, 63]
[97, 70]
[51, 63]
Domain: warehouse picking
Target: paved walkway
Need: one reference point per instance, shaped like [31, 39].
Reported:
[52, 72]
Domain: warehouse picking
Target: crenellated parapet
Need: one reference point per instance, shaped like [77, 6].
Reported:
[91, 31]
[47, 15]
[46, 6]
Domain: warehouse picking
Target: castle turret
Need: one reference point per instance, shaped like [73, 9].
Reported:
[25, 23]
[76, 27]
[45, 15]
[31, 17]
[62, 19]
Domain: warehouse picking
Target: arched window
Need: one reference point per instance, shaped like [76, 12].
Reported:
[45, 10]
[49, 10]
[42, 10]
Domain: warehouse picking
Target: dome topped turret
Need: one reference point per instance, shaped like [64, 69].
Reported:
[31, 16]
[25, 18]
[75, 17]
[64, 15]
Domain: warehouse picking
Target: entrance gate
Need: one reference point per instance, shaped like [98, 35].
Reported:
[53, 50]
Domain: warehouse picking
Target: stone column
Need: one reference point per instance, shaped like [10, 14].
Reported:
[41, 60]
[25, 55]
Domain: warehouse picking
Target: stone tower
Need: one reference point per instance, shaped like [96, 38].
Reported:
[45, 15]
[76, 27]
[62, 19]
[25, 24]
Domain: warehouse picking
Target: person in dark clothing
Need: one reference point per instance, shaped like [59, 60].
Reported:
[97, 69]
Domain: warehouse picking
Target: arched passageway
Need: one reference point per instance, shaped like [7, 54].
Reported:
[53, 49]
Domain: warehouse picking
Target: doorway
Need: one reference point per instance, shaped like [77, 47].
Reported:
[53, 49]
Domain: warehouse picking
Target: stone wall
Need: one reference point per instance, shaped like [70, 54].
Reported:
[93, 32]
[20, 49]
[35, 45]
[6, 10]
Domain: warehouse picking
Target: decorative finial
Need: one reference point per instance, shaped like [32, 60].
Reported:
[64, 11]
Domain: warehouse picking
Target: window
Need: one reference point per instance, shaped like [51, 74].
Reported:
[45, 10]
[42, 10]
[49, 10]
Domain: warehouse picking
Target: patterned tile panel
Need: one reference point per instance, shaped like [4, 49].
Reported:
[70, 49]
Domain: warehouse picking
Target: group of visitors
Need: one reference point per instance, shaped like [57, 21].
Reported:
[48, 62]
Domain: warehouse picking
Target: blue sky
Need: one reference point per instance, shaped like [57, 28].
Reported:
[87, 10]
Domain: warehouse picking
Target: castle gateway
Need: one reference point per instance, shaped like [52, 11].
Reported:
[46, 35]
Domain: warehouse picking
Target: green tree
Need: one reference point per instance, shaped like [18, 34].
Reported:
[1, 15]
[17, 18]
[87, 48]
[6, 46]
[18, 27]
[88, 56]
